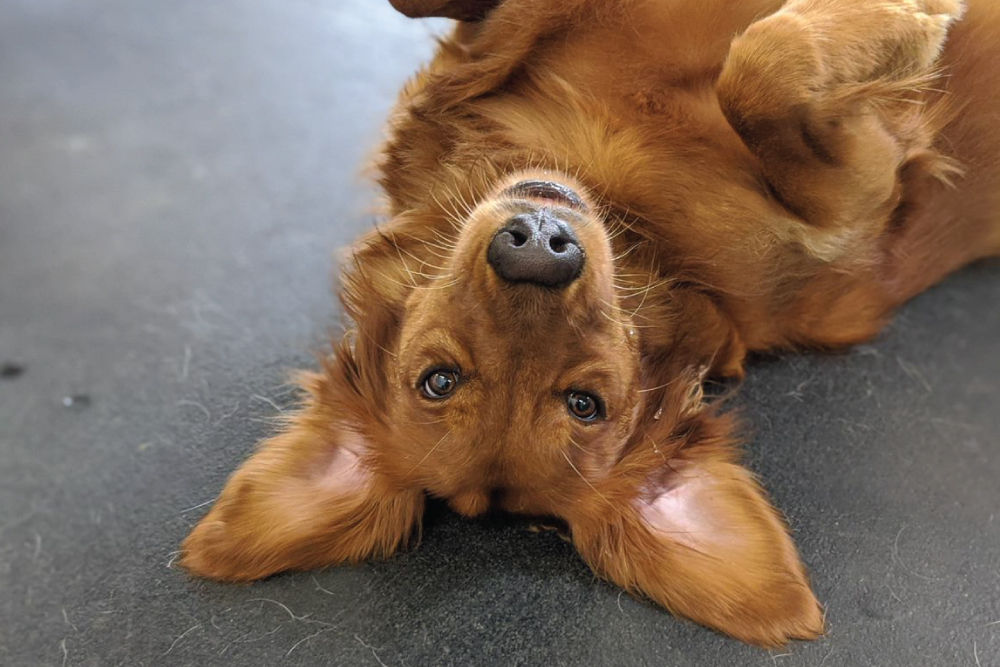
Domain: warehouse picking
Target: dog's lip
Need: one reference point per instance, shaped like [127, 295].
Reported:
[538, 189]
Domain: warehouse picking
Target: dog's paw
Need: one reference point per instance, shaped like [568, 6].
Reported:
[952, 8]
[809, 48]
[862, 40]
[923, 28]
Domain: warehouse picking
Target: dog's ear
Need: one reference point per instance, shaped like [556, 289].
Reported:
[322, 492]
[317, 494]
[462, 10]
[685, 525]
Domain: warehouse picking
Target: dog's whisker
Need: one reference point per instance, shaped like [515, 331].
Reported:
[428, 247]
[638, 288]
[626, 319]
[629, 293]
[465, 204]
[627, 322]
[462, 208]
[662, 386]
[430, 276]
[423, 262]
[414, 286]
[636, 312]
[613, 320]
[433, 421]
[623, 255]
[620, 222]
[645, 294]
[445, 243]
[585, 480]
[429, 452]
[579, 446]
[447, 249]
[613, 306]
[374, 342]
[395, 245]
[452, 216]
[437, 287]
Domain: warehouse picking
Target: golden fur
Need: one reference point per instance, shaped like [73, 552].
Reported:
[785, 188]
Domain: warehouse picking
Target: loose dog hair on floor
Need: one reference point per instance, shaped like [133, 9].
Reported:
[591, 207]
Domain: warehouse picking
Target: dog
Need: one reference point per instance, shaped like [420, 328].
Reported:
[593, 206]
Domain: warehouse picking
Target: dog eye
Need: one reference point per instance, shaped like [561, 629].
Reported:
[439, 383]
[584, 407]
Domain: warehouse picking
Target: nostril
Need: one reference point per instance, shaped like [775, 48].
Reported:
[519, 238]
[558, 244]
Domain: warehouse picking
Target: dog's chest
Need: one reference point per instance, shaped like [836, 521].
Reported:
[648, 48]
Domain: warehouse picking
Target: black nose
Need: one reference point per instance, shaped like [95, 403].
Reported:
[536, 248]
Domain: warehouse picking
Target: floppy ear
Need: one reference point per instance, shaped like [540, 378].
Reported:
[462, 10]
[692, 530]
[320, 492]
[315, 495]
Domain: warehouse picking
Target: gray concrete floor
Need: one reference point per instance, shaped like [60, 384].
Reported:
[174, 177]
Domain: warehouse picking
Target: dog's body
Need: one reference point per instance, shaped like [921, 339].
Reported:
[627, 101]
[789, 188]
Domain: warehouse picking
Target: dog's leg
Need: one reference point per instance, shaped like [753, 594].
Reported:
[310, 497]
[825, 93]
[694, 531]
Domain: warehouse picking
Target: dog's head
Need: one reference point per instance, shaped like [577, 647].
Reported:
[503, 363]
[512, 361]
[509, 352]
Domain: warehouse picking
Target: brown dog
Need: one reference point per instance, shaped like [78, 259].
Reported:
[595, 204]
